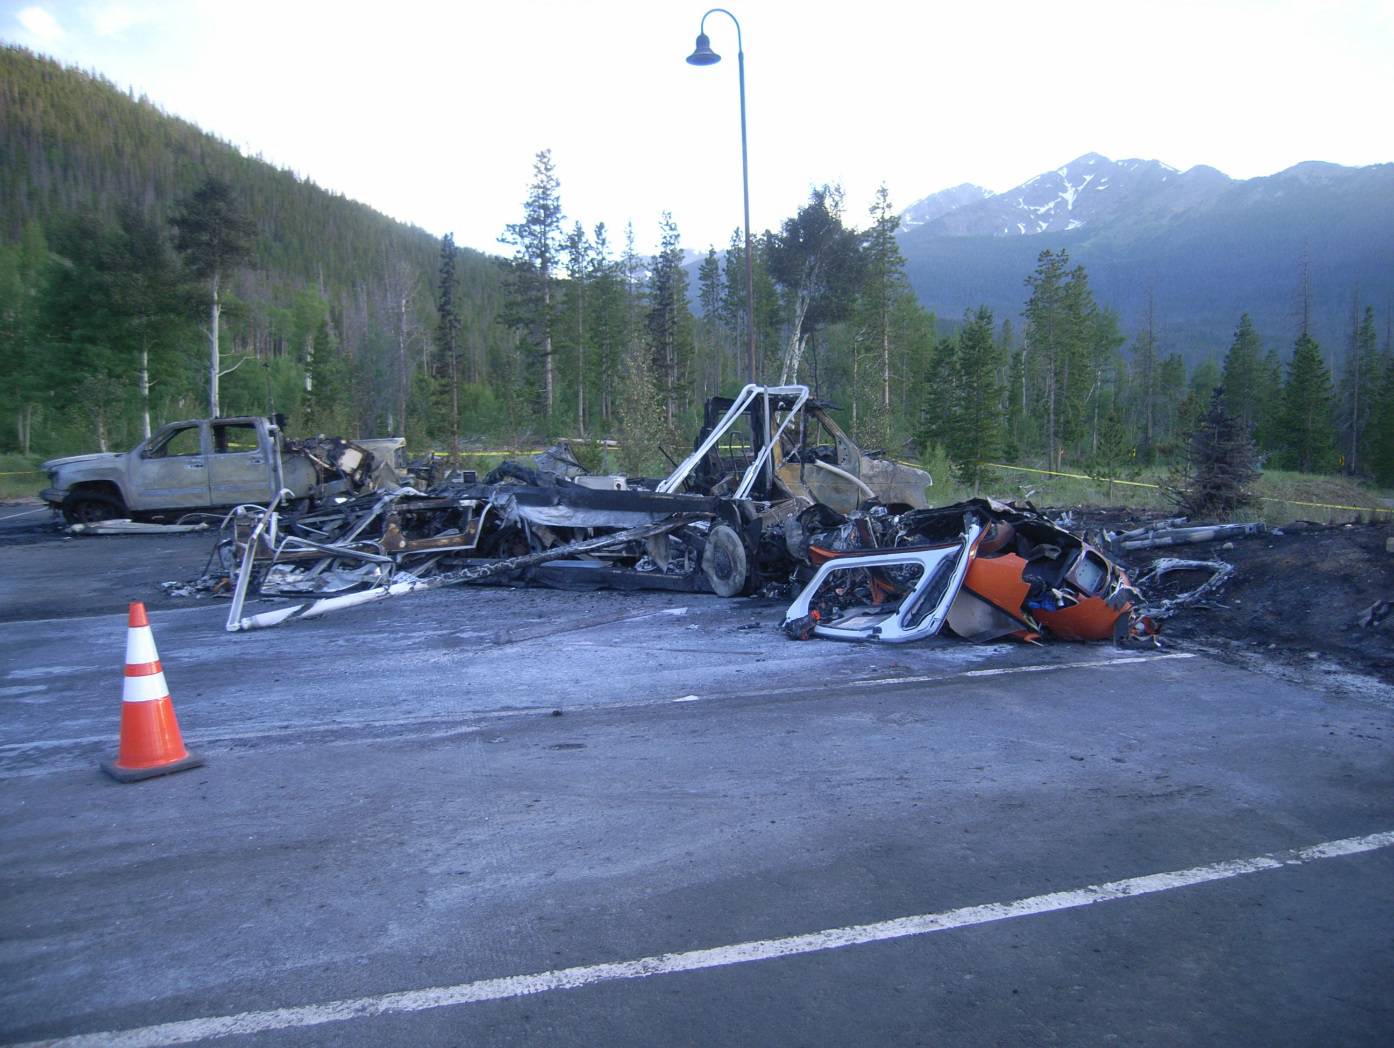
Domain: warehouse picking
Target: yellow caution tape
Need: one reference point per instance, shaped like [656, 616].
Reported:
[1074, 476]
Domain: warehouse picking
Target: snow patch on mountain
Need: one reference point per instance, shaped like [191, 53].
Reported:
[1087, 191]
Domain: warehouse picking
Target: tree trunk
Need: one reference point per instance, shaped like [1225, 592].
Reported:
[798, 341]
[215, 313]
[145, 389]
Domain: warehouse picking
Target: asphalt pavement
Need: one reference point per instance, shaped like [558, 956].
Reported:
[490, 816]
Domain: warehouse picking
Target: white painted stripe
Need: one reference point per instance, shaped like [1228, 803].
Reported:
[148, 687]
[721, 956]
[1007, 671]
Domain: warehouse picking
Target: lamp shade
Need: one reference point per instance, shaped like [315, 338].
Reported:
[703, 54]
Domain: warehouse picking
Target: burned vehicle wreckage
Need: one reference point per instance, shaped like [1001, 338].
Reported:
[715, 524]
[774, 499]
[983, 569]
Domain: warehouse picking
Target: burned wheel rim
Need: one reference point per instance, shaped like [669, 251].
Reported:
[90, 509]
[724, 561]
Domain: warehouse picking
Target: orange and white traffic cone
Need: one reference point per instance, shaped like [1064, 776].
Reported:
[150, 742]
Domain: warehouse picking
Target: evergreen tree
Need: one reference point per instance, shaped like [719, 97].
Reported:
[1171, 396]
[1206, 378]
[1059, 316]
[215, 238]
[641, 414]
[974, 435]
[1241, 379]
[669, 321]
[327, 404]
[733, 311]
[885, 282]
[711, 331]
[609, 332]
[1268, 422]
[1146, 360]
[1358, 379]
[532, 274]
[114, 316]
[1105, 368]
[1219, 467]
[1380, 458]
[1308, 434]
[1115, 456]
[941, 394]
[150, 311]
[576, 302]
[22, 269]
[448, 336]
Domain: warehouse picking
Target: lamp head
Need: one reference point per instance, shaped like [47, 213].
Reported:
[703, 54]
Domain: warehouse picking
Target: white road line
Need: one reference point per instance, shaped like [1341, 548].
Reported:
[721, 956]
[1006, 671]
[212, 740]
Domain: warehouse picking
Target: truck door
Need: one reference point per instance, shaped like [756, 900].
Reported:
[171, 472]
[238, 468]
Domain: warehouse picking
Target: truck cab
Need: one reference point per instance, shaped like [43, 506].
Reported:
[202, 464]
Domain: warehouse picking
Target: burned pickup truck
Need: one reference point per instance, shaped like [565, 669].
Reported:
[715, 524]
[203, 464]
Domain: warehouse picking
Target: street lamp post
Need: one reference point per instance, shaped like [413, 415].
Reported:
[703, 55]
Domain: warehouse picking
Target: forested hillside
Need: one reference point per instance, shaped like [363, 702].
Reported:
[80, 160]
[133, 240]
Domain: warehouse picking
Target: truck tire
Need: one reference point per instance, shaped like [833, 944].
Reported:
[724, 562]
[87, 507]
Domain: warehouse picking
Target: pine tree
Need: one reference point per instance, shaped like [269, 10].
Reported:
[150, 305]
[712, 334]
[1219, 468]
[327, 401]
[1055, 320]
[577, 299]
[1268, 422]
[1241, 379]
[532, 274]
[975, 432]
[448, 336]
[1146, 361]
[1380, 459]
[669, 321]
[215, 238]
[1115, 456]
[641, 414]
[610, 330]
[885, 282]
[22, 272]
[1308, 435]
[1358, 379]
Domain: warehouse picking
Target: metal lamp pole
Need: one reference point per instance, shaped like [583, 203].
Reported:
[703, 55]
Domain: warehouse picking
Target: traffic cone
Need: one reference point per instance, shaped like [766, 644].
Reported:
[150, 742]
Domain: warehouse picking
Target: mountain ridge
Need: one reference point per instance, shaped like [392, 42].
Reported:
[1202, 248]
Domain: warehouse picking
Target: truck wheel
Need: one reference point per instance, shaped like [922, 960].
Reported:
[88, 508]
[724, 562]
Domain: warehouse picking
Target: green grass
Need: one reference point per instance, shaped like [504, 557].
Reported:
[1280, 497]
[20, 476]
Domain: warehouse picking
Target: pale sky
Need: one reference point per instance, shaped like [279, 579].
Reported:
[432, 112]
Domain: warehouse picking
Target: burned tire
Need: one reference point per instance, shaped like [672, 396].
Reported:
[91, 508]
[724, 562]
